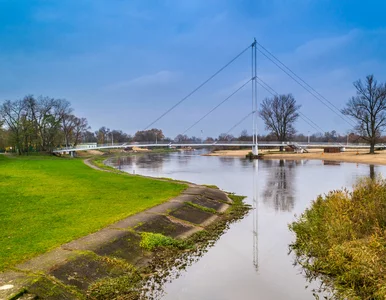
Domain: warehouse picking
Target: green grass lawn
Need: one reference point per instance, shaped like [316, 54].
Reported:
[48, 201]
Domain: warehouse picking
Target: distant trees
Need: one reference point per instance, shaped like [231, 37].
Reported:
[226, 137]
[180, 138]
[74, 129]
[89, 137]
[368, 108]
[150, 135]
[39, 124]
[13, 114]
[120, 137]
[244, 136]
[104, 136]
[279, 115]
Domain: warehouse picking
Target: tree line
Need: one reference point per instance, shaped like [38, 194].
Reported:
[35, 124]
[39, 124]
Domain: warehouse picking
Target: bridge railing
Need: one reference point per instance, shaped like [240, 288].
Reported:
[215, 143]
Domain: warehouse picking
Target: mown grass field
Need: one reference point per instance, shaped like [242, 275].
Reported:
[48, 201]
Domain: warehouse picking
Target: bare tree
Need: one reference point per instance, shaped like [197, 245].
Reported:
[226, 137]
[80, 128]
[279, 115]
[368, 108]
[181, 138]
[48, 116]
[68, 125]
[102, 135]
[244, 136]
[89, 137]
[153, 134]
[13, 114]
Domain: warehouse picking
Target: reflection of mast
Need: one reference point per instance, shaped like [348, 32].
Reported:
[255, 216]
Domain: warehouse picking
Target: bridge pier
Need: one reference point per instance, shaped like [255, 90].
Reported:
[255, 149]
[72, 153]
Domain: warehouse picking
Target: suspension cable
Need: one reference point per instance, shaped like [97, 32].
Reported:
[239, 122]
[198, 87]
[269, 89]
[304, 84]
[217, 106]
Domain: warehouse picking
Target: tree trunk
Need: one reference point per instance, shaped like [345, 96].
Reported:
[372, 147]
[372, 172]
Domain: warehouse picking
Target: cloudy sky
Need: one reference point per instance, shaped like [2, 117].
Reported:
[123, 63]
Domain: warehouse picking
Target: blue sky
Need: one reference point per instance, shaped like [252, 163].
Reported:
[122, 63]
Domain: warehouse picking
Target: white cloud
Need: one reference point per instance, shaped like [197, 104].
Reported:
[319, 46]
[160, 78]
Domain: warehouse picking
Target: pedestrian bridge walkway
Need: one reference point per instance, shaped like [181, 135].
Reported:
[215, 144]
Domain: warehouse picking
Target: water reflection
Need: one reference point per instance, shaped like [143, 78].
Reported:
[279, 189]
[245, 162]
[250, 261]
[331, 163]
[255, 216]
[229, 161]
[372, 172]
[141, 161]
[183, 160]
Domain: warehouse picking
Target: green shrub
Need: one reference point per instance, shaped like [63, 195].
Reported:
[150, 241]
[341, 238]
[203, 208]
[211, 186]
[122, 287]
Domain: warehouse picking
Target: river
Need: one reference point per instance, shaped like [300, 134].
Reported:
[251, 260]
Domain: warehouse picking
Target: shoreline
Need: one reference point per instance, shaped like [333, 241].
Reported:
[351, 156]
[90, 264]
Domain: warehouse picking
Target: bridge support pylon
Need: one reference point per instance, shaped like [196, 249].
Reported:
[255, 149]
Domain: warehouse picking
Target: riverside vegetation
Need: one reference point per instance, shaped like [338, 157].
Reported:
[341, 239]
[48, 201]
[168, 257]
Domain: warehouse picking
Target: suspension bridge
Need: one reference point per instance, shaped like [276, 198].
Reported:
[254, 81]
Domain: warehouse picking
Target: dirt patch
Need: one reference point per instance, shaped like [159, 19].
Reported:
[215, 194]
[210, 193]
[86, 269]
[51, 290]
[89, 152]
[125, 247]
[208, 203]
[162, 224]
[191, 214]
[140, 149]
[229, 153]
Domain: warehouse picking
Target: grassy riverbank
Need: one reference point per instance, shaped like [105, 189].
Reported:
[47, 201]
[341, 238]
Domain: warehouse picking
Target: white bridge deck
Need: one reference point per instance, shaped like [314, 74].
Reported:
[216, 144]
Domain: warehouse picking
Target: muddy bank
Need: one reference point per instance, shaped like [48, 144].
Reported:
[354, 156]
[131, 258]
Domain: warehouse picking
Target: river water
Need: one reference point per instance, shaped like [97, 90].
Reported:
[251, 260]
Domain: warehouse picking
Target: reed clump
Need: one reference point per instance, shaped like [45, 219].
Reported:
[341, 239]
